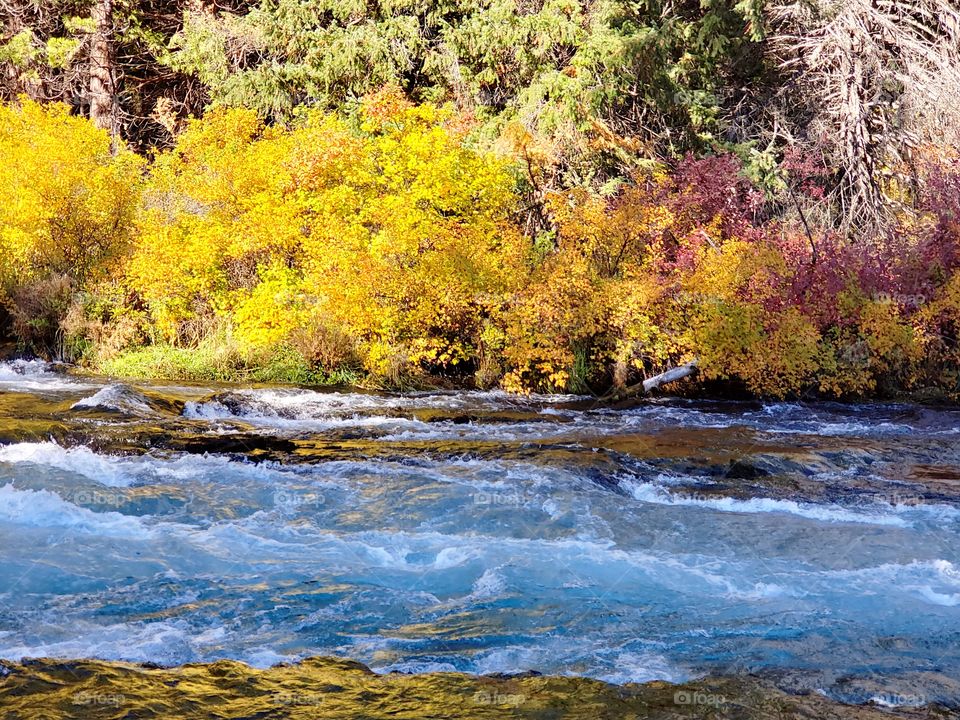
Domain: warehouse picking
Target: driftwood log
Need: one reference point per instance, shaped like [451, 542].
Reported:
[652, 383]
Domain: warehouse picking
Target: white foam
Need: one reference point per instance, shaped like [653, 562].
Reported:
[307, 404]
[116, 397]
[123, 470]
[489, 585]
[677, 572]
[36, 376]
[42, 508]
[305, 420]
[931, 581]
[265, 657]
[453, 557]
[416, 667]
[611, 665]
[646, 492]
[947, 571]
[81, 460]
[171, 642]
[640, 667]
[843, 429]
[319, 411]
[509, 659]
[938, 598]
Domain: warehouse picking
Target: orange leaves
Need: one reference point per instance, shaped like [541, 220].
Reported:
[387, 105]
[559, 311]
[616, 235]
[591, 304]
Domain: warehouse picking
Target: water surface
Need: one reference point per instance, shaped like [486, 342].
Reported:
[815, 544]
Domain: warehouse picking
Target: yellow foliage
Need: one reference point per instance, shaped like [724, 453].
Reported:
[613, 237]
[386, 242]
[592, 303]
[414, 248]
[269, 313]
[217, 207]
[786, 358]
[732, 329]
[548, 321]
[396, 233]
[66, 201]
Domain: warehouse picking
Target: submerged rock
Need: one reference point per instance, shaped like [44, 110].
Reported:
[337, 688]
[125, 399]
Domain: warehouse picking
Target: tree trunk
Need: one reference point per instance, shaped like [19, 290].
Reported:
[103, 82]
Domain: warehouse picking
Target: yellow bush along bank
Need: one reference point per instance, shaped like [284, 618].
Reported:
[385, 247]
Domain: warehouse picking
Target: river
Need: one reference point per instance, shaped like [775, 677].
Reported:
[817, 545]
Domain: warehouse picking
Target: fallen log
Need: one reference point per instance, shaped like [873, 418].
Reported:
[652, 383]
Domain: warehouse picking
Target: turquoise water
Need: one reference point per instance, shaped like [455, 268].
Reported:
[815, 544]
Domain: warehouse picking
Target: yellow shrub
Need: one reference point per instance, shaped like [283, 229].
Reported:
[217, 207]
[413, 248]
[732, 331]
[590, 307]
[66, 202]
[386, 242]
[871, 343]
[268, 314]
[892, 341]
[396, 234]
[557, 314]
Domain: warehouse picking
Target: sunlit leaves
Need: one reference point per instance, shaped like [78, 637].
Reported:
[384, 242]
[66, 201]
[396, 234]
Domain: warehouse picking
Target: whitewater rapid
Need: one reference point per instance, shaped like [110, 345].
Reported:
[481, 532]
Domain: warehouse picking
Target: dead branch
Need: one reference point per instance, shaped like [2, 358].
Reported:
[652, 383]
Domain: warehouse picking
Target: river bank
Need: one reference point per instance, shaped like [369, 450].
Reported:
[198, 367]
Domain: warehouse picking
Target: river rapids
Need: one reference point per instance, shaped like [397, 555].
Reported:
[816, 546]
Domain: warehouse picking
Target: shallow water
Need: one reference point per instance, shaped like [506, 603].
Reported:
[817, 545]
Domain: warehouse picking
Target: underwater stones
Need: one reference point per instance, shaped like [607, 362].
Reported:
[321, 688]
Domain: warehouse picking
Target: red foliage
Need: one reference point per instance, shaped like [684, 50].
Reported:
[806, 172]
[711, 188]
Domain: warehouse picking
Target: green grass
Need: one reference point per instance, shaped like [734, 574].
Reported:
[215, 362]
